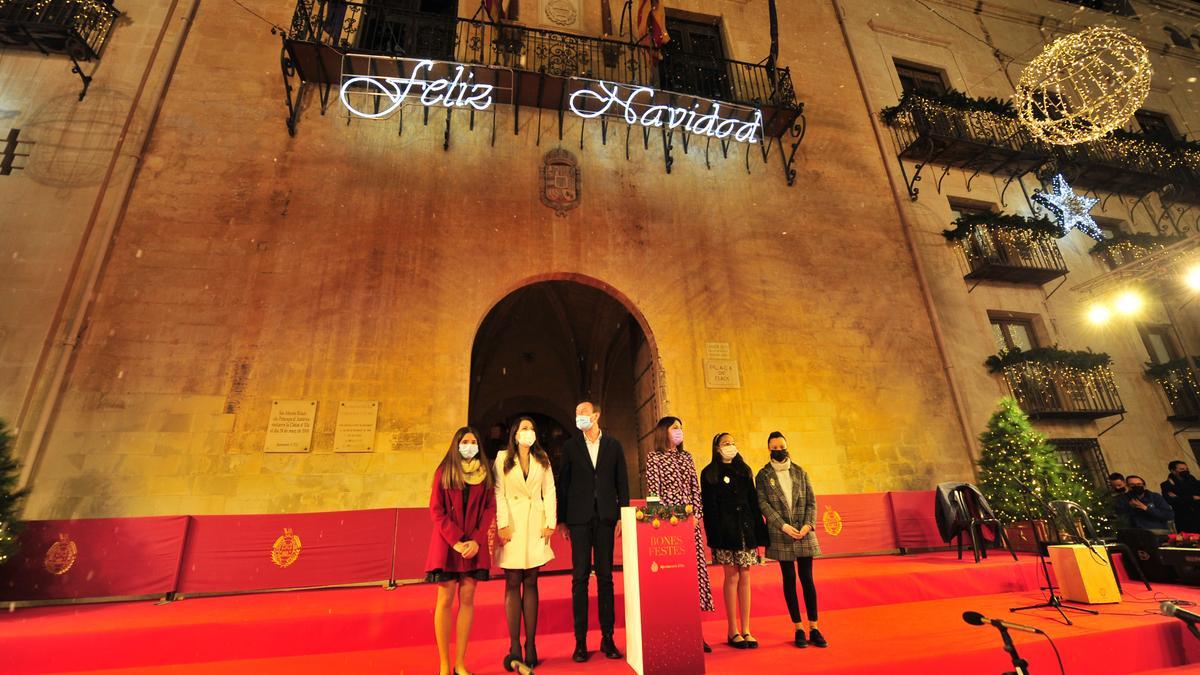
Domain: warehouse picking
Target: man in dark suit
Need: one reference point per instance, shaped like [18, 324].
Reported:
[592, 487]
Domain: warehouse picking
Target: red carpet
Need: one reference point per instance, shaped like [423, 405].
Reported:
[881, 614]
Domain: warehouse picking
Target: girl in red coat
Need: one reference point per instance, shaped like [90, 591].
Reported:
[463, 507]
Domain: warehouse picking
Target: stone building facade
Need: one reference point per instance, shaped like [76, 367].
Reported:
[180, 262]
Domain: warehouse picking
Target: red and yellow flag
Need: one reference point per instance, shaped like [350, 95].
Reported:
[500, 9]
[651, 24]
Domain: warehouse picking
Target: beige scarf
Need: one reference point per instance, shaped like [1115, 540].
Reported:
[473, 471]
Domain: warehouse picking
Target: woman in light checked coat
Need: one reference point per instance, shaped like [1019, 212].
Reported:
[787, 502]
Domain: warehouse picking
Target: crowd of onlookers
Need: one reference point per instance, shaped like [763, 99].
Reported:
[1175, 507]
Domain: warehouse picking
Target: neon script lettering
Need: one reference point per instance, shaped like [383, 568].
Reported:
[610, 100]
[458, 92]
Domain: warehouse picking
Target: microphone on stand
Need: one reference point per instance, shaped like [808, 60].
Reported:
[1169, 608]
[977, 619]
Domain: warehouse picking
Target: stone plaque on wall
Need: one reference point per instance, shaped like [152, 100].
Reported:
[355, 430]
[290, 427]
[562, 14]
[721, 374]
[717, 350]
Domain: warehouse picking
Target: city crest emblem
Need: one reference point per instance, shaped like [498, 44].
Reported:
[560, 181]
[61, 555]
[286, 549]
[832, 521]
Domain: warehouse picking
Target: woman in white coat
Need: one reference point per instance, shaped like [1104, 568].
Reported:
[525, 520]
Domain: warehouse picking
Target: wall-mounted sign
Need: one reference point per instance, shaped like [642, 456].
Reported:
[290, 426]
[375, 87]
[355, 428]
[431, 83]
[652, 108]
[722, 374]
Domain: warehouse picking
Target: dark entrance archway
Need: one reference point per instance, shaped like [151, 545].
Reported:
[553, 342]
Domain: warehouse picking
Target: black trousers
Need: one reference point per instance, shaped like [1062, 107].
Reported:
[803, 568]
[592, 542]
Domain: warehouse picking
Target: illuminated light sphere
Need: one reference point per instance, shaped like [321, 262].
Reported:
[1192, 278]
[1070, 209]
[1083, 86]
[1099, 314]
[1128, 303]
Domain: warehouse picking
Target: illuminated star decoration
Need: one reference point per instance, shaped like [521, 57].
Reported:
[1070, 209]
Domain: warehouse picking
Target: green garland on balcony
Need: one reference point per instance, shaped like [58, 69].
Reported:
[952, 99]
[1078, 360]
[964, 224]
[1158, 371]
[1138, 239]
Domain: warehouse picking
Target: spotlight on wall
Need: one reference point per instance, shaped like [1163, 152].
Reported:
[1099, 314]
[1128, 303]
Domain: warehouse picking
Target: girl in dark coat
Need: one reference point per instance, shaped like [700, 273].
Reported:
[735, 529]
[462, 506]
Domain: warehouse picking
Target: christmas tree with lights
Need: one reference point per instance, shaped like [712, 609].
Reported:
[10, 497]
[1020, 472]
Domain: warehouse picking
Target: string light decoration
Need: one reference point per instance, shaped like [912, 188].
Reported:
[1071, 210]
[1020, 471]
[10, 498]
[1177, 381]
[1126, 248]
[1083, 86]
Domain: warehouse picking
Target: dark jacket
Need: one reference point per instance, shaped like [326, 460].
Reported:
[1154, 517]
[1181, 494]
[949, 521]
[587, 492]
[732, 519]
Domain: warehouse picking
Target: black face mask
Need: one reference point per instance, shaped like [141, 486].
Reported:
[778, 455]
[1183, 475]
[1137, 490]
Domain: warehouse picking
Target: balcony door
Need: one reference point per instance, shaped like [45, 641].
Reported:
[418, 29]
[694, 60]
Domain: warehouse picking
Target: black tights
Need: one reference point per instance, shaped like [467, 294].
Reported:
[520, 599]
[802, 567]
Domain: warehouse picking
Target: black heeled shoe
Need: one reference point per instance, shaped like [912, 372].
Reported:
[531, 657]
[513, 662]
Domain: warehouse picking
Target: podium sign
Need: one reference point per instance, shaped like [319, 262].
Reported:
[662, 597]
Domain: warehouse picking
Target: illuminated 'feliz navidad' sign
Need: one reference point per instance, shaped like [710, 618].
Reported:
[635, 105]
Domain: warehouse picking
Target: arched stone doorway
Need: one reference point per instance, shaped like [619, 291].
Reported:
[552, 342]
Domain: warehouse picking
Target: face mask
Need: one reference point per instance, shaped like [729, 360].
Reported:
[1137, 490]
[583, 422]
[526, 437]
[1183, 475]
[676, 436]
[468, 450]
[728, 451]
[778, 455]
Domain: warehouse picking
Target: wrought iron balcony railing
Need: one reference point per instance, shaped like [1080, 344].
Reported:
[1179, 385]
[954, 133]
[1003, 254]
[1050, 390]
[372, 27]
[77, 28]
[981, 141]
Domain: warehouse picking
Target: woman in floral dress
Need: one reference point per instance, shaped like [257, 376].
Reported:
[671, 476]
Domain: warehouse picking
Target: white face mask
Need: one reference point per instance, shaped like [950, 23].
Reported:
[583, 422]
[468, 450]
[728, 451]
[526, 437]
